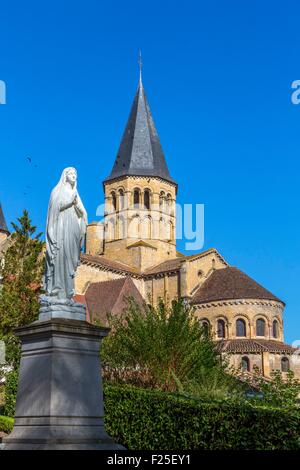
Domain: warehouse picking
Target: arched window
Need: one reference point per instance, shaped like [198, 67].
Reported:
[221, 329]
[162, 197]
[121, 199]
[275, 329]
[122, 226]
[114, 200]
[240, 327]
[245, 363]
[147, 199]
[260, 327]
[169, 231]
[169, 202]
[136, 198]
[206, 327]
[285, 364]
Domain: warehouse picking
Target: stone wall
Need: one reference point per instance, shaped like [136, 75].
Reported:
[247, 309]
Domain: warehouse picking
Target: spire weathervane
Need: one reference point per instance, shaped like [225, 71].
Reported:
[140, 64]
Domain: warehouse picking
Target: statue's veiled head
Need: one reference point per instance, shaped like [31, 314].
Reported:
[70, 176]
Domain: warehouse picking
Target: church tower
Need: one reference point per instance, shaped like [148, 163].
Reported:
[4, 232]
[140, 195]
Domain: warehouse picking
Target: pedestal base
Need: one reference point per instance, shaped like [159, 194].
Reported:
[60, 398]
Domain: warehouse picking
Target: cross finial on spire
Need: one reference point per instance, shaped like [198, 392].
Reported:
[140, 64]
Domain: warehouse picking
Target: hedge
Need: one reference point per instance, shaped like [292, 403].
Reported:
[149, 420]
[6, 424]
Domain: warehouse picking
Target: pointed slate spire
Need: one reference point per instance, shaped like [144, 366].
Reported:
[3, 226]
[140, 152]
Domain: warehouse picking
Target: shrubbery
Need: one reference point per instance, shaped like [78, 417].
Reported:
[165, 348]
[6, 424]
[11, 387]
[153, 420]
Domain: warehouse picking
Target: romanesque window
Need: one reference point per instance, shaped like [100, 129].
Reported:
[206, 327]
[245, 363]
[122, 227]
[136, 198]
[114, 200]
[169, 202]
[162, 198]
[169, 231]
[260, 327]
[285, 364]
[275, 329]
[121, 199]
[221, 329]
[146, 228]
[240, 327]
[147, 199]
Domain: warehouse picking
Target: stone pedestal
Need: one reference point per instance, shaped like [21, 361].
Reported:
[60, 397]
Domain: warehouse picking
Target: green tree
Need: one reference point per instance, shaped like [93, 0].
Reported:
[21, 271]
[278, 391]
[164, 348]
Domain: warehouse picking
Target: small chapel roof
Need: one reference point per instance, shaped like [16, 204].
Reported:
[229, 284]
[106, 297]
[3, 226]
[140, 152]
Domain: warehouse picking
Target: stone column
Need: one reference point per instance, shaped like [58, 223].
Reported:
[59, 400]
[266, 363]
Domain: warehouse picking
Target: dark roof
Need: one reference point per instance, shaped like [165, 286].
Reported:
[229, 284]
[3, 226]
[241, 346]
[140, 152]
[106, 297]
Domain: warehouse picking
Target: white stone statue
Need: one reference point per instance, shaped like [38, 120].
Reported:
[65, 234]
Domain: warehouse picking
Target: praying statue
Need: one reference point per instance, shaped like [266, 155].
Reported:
[65, 236]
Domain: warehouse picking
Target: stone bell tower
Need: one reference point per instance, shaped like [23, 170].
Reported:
[140, 221]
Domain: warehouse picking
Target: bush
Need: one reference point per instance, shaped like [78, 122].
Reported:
[143, 419]
[165, 348]
[11, 386]
[6, 424]
[153, 420]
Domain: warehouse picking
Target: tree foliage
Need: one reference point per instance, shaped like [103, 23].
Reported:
[163, 347]
[21, 272]
[279, 391]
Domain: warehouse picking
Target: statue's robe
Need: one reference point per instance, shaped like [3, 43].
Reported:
[66, 226]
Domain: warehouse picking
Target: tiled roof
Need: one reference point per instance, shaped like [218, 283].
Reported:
[228, 284]
[106, 297]
[166, 266]
[241, 346]
[175, 263]
[106, 263]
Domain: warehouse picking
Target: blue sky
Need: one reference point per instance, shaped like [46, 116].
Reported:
[218, 78]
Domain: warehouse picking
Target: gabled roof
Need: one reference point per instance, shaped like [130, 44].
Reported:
[229, 284]
[106, 297]
[140, 152]
[3, 226]
[108, 264]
